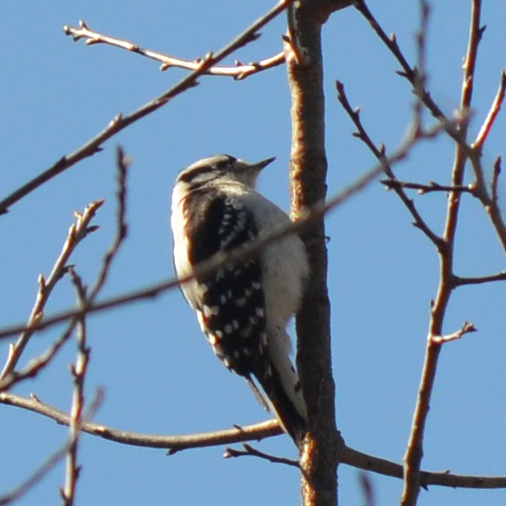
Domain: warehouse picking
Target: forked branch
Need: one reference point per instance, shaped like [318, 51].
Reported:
[240, 254]
[120, 122]
[239, 71]
[240, 434]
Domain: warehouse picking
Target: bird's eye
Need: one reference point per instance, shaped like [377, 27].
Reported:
[225, 164]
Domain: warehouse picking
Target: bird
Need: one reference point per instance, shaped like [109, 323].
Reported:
[243, 308]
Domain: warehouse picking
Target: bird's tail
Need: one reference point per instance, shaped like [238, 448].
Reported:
[281, 385]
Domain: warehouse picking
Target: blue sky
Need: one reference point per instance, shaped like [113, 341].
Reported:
[157, 370]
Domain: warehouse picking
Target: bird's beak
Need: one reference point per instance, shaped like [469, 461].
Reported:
[260, 165]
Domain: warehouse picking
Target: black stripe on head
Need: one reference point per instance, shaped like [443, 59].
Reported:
[212, 165]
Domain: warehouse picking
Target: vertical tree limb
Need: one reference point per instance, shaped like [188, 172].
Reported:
[319, 455]
[414, 450]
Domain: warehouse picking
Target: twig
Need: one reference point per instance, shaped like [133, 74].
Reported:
[249, 451]
[475, 34]
[488, 195]
[462, 281]
[407, 71]
[240, 254]
[34, 478]
[49, 463]
[420, 76]
[174, 443]
[488, 198]
[120, 122]
[77, 232]
[122, 164]
[78, 372]
[35, 366]
[492, 114]
[414, 449]
[411, 74]
[466, 328]
[426, 188]
[238, 72]
[367, 489]
[495, 180]
[379, 153]
[259, 431]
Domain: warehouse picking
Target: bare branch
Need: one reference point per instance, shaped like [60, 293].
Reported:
[49, 463]
[466, 328]
[420, 76]
[238, 72]
[120, 122]
[384, 467]
[379, 153]
[410, 73]
[495, 180]
[461, 281]
[475, 35]
[77, 232]
[432, 186]
[122, 164]
[78, 372]
[173, 443]
[492, 114]
[414, 449]
[20, 490]
[35, 366]
[249, 451]
[238, 255]
[259, 431]
[488, 198]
